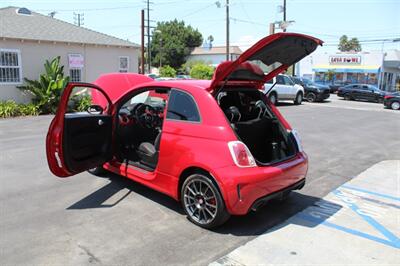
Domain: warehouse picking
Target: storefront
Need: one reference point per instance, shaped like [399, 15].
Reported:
[375, 68]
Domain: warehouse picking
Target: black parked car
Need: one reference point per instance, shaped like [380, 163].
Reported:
[392, 100]
[363, 92]
[336, 85]
[313, 92]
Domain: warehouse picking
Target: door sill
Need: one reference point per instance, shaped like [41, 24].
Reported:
[140, 167]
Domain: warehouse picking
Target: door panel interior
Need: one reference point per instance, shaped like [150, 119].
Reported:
[86, 140]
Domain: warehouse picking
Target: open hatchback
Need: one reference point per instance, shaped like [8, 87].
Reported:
[219, 147]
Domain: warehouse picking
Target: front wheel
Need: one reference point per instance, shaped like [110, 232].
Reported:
[298, 99]
[395, 105]
[273, 98]
[203, 202]
[311, 97]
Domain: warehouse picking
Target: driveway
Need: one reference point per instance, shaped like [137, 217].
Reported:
[90, 220]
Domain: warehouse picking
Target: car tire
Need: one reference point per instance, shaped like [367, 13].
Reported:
[202, 201]
[97, 171]
[311, 97]
[395, 105]
[298, 99]
[273, 98]
[347, 97]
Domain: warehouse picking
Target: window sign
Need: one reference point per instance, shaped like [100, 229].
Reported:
[75, 61]
[123, 64]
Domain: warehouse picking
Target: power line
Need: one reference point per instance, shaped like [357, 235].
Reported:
[87, 9]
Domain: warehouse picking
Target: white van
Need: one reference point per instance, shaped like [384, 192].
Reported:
[284, 89]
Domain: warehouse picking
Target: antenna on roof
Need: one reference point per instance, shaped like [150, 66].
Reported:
[52, 14]
[78, 19]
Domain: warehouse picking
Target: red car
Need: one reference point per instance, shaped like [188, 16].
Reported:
[219, 147]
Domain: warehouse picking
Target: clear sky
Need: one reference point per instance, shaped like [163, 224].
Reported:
[368, 20]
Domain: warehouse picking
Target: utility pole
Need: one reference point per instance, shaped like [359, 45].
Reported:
[284, 14]
[271, 28]
[142, 25]
[148, 38]
[78, 19]
[227, 30]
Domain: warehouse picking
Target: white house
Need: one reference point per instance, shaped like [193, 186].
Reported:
[27, 39]
[214, 55]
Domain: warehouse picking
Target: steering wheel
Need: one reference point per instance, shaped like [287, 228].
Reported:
[145, 115]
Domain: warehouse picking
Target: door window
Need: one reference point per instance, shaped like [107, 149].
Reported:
[288, 81]
[280, 80]
[182, 107]
[82, 98]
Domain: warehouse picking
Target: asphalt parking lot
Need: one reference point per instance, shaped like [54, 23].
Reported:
[111, 220]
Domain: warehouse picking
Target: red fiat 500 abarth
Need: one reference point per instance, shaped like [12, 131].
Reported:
[219, 147]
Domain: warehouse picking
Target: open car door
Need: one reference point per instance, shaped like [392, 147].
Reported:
[79, 140]
[264, 60]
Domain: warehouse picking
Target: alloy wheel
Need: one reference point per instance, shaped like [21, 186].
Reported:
[395, 105]
[299, 98]
[311, 97]
[272, 99]
[200, 201]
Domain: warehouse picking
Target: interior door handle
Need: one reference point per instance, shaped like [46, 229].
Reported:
[100, 122]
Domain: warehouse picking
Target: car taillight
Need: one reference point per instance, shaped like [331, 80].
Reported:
[241, 154]
[298, 140]
[388, 97]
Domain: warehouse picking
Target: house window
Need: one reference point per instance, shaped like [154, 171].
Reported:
[75, 74]
[10, 66]
[123, 64]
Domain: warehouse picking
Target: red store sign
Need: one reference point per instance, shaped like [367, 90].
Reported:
[345, 59]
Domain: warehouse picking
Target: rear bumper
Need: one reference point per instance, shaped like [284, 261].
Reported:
[244, 188]
[277, 195]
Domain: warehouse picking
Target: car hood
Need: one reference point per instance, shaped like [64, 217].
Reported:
[115, 85]
[320, 86]
[265, 59]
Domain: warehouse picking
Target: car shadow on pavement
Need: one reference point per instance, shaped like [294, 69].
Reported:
[117, 183]
[253, 224]
[275, 213]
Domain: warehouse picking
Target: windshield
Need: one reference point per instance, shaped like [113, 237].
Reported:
[308, 82]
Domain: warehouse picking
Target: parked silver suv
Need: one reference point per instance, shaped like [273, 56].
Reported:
[284, 89]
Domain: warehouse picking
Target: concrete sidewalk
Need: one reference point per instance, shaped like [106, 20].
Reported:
[357, 223]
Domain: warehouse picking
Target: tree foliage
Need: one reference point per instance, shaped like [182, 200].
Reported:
[346, 45]
[47, 90]
[172, 42]
[330, 74]
[201, 71]
[167, 71]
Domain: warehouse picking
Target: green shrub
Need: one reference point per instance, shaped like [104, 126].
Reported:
[28, 109]
[187, 67]
[202, 71]
[167, 71]
[79, 103]
[8, 109]
[47, 90]
[11, 108]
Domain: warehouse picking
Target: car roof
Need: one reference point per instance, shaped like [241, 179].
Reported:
[203, 84]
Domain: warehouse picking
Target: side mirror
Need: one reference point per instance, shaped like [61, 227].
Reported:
[95, 109]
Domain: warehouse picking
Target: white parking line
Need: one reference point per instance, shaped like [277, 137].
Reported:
[332, 105]
[357, 223]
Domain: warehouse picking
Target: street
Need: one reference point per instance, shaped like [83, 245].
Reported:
[85, 219]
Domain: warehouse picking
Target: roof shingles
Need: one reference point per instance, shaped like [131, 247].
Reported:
[44, 28]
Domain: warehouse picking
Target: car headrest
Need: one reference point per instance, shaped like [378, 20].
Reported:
[233, 114]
